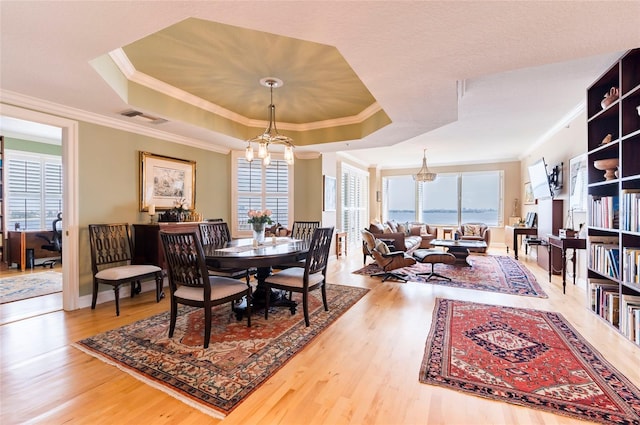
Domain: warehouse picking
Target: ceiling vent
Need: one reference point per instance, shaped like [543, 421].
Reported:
[141, 116]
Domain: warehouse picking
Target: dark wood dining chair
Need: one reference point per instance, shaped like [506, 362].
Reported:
[111, 262]
[312, 276]
[304, 229]
[217, 234]
[191, 284]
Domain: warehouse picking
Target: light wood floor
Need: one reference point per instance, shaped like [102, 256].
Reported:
[361, 370]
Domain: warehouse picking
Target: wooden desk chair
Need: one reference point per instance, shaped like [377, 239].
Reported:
[111, 257]
[191, 284]
[217, 233]
[311, 277]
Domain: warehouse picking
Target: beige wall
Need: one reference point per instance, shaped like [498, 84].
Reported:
[307, 197]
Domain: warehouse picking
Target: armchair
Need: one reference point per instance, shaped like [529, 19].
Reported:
[384, 258]
[474, 232]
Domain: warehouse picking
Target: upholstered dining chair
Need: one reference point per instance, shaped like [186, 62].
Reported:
[303, 280]
[111, 262]
[300, 230]
[217, 234]
[190, 282]
[304, 229]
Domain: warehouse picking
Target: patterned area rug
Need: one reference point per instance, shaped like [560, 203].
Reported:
[239, 359]
[494, 273]
[527, 357]
[21, 287]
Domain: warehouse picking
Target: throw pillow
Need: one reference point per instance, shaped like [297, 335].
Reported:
[376, 228]
[382, 247]
[415, 230]
[402, 228]
[471, 230]
[387, 229]
[393, 225]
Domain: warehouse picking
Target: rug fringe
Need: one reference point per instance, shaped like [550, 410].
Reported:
[186, 400]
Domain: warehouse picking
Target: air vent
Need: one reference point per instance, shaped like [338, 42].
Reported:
[141, 116]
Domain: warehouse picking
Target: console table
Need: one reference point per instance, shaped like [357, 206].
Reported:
[563, 244]
[511, 234]
[147, 247]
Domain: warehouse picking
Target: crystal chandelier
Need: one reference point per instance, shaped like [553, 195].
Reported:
[270, 135]
[424, 175]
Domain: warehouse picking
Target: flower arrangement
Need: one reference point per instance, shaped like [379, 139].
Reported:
[257, 216]
[180, 206]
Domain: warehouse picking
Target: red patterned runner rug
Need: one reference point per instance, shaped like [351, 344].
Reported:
[527, 357]
[239, 359]
[493, 273]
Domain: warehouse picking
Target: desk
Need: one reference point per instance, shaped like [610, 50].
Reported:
[20, 240]
[239, 253]
[511, 234]
[564, 244]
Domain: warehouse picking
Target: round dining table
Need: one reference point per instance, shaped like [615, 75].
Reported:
[243, 254]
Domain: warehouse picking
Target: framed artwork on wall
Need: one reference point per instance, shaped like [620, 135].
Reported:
[330, 193]
[528, 194]
[166, 181]
[578, 183]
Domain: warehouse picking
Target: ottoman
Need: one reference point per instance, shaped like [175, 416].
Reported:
[433, 257]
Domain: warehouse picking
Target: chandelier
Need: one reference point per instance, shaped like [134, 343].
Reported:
[424, 175]
[270, 135]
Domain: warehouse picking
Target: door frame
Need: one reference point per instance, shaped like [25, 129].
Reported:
[70, 201]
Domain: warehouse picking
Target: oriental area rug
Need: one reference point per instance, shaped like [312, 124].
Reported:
[493, 273]
[526, 357]
[239, 359]
[23, 286]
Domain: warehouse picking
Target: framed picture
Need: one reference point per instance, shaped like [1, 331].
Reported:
[578, 183]
[330, 194]
[528, 194]
[165, 181]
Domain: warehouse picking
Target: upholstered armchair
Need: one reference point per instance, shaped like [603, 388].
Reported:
[390, 261]
[474, 232]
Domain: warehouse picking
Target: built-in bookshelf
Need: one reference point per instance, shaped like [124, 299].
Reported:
[613, 139]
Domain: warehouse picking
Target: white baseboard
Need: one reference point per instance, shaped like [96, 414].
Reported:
[125, 291]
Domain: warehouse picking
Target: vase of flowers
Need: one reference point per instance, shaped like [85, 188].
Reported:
[258, 220]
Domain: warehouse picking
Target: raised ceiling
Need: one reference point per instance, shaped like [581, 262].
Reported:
[471, 81]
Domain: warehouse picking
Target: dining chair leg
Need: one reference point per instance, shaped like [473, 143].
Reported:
[159, 291]
[174, 316]
[305, 307]
[248, 310]
[94, 296]
[116, 293]
[324, 296]
[207, 325]
[266, 301]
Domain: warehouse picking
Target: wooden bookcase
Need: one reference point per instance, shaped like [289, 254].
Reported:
[613, 206]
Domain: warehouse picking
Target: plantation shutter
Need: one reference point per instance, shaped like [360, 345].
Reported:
[355, 201]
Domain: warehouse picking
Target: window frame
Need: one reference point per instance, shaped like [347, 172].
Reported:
[234, 227]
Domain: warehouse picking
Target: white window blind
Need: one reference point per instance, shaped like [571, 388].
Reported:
[34, 190]
[355, 202]
[260, 188]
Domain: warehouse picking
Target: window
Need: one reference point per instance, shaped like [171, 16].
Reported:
[400, 198]
[449, 200]
[34, 190]
[355, 201]
[258, 188]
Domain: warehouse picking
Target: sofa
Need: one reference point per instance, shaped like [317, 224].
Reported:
[474, 232]
[406, 237]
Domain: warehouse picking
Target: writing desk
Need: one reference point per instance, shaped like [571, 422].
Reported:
[18, 241]
[511, 234]
[563, 244]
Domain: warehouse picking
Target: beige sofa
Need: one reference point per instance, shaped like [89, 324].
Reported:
[408, 240]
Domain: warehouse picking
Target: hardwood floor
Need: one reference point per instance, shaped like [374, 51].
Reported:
[362, 370]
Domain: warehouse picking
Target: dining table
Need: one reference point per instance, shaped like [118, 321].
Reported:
[246, 254]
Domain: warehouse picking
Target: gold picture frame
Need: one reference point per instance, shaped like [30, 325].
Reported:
[164, 181]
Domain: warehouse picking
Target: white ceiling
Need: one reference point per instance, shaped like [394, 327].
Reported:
[525, 65]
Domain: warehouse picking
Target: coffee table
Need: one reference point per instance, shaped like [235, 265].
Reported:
[459, 249]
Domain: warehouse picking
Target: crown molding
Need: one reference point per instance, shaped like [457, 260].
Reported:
[41, 105]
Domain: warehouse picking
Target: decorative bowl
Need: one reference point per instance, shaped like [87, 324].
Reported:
[608, 165]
